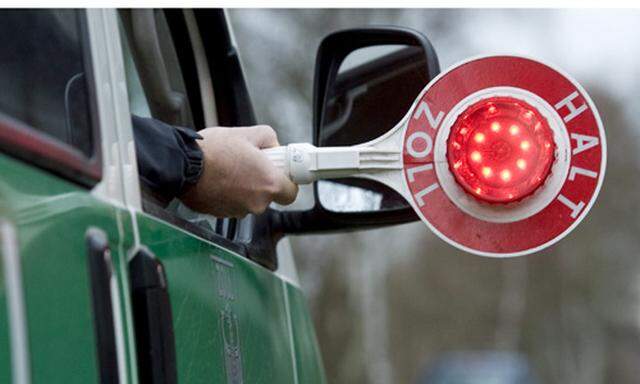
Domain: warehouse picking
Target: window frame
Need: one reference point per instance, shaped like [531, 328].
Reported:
[27, 143]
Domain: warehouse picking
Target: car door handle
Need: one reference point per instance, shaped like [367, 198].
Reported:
[101, 278]
[155, 341]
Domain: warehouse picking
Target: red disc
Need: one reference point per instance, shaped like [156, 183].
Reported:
[503, 155]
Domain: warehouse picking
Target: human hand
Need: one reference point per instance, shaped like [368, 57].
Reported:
[237, 177]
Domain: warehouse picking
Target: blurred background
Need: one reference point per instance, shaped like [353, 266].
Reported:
[398, 305]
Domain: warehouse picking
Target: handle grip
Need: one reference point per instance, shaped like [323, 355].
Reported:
[304, 163]
[278, 156]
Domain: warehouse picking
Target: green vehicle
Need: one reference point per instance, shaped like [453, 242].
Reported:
[102, 281]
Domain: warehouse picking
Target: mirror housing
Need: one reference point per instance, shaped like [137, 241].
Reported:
[331, 53]
[337, 46]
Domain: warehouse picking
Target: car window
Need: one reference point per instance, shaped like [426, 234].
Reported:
[140, 101]
[153, 69]
[43, 76]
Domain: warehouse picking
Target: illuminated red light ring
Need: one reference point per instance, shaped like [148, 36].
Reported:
[500, 149]
[516, 210]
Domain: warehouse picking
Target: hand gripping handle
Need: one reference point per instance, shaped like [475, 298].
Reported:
[305, 163]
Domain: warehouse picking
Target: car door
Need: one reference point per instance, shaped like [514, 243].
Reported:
[63, 223]
[213, 313]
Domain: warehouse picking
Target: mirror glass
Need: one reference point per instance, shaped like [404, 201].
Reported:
[371, 92]
[366, 55]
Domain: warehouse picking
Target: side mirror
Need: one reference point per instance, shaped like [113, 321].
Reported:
[365, 81]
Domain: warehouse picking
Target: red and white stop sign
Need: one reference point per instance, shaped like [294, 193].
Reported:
[503, 155]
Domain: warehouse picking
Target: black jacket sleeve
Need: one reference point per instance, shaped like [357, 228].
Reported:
[169, 159]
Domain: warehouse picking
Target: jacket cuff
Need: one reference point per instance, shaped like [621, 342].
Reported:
[194, 158]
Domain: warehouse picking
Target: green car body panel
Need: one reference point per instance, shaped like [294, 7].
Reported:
[230, 318]
[308, 363]
[233, 319]
[51, 217]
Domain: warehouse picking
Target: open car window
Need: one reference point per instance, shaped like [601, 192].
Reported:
[145, 101]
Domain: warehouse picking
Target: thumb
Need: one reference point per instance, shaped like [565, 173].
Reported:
[287, 191]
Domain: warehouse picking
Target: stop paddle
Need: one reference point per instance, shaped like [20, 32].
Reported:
[499, 156]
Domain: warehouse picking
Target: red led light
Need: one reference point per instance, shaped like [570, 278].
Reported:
[500, 149]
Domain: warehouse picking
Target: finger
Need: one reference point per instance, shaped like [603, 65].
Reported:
[287, 192]
[262, 136]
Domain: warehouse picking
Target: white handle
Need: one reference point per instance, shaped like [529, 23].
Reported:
[305, 163]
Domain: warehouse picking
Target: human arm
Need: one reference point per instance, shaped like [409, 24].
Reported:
[220, 171]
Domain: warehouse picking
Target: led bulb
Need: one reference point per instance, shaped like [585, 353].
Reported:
[498, 165]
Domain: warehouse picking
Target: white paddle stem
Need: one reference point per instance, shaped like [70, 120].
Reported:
[305, 163]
